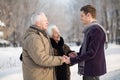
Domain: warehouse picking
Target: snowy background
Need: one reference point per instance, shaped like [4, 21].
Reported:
[11, 69]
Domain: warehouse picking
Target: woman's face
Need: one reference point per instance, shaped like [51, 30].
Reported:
[56, 35]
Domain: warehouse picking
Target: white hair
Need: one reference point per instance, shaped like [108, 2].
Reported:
[50, 30]
[35, 17]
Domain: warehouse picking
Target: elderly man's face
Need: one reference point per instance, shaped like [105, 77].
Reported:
[56, 35]
[42, 22]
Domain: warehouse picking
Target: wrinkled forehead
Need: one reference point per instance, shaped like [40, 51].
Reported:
[42, 16]
[56, 30]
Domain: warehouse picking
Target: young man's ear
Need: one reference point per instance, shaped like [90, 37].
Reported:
[88, 14]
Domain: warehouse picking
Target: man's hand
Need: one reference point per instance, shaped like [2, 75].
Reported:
[72, 54]
[66, 59]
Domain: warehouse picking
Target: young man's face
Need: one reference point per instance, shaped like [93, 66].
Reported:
[84, 18]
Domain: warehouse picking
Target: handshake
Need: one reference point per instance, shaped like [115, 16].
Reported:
[66, 59]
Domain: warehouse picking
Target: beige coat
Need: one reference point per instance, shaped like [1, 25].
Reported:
[38, 59]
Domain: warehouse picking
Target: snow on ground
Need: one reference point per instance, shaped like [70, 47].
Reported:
[9, 57]
[10, 65]
[113, 64]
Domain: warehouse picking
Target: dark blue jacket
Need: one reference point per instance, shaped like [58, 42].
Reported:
[93, 55]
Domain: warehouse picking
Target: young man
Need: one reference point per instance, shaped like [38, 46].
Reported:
[91, 58]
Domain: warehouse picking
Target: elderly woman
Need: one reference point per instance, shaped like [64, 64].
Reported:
[60, 49]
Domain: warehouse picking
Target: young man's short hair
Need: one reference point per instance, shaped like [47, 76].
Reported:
[89, 9]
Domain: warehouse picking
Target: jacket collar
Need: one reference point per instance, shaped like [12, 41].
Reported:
[38, 30]
[55, 45]
[89, 26]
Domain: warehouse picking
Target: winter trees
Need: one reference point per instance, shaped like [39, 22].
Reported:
[16, 15]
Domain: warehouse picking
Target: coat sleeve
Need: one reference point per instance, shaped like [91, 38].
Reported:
[37, 52]
[93, 43]
[67, 49]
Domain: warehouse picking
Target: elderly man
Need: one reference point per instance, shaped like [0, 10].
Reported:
[37, 56]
